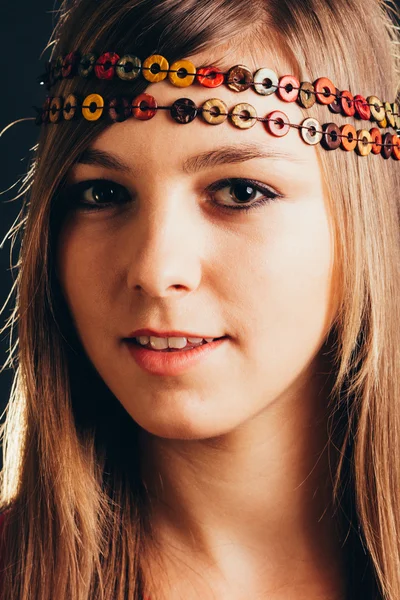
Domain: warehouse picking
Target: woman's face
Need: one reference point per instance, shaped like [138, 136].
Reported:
[172, 258]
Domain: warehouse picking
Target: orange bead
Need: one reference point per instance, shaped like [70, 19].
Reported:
[144, 107]
[376, 138]
[349, 141]
[325, 90]
[396, 147]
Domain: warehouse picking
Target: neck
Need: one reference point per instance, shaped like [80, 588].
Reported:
[253, 505]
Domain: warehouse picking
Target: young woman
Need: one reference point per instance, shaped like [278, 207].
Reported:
[205, 402]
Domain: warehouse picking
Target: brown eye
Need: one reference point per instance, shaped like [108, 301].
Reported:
[97, 194]
[240, 194]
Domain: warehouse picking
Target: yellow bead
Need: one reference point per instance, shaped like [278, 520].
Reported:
[87, 113]
[383, 123]
[377, 110]
[365, 136]
[246, 120]
[188, 79]
[155, 59]
[389, 115]
[214, 111]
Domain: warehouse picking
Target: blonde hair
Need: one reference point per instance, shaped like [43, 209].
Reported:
[77, 513]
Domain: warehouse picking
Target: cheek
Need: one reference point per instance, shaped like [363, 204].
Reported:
[83, 270]
[287, 286]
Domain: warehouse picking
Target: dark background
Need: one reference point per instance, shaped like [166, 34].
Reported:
[25, 30]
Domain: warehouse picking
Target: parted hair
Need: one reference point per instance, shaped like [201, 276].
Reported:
[77, 510]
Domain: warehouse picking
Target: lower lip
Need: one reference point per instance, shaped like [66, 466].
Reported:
[157, 362]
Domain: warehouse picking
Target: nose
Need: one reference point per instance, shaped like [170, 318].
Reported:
[165, 247]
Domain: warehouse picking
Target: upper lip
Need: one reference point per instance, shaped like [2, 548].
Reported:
[154, 333]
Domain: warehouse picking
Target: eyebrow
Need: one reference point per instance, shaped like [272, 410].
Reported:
[229, 154]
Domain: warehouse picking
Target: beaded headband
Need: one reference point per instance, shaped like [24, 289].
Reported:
[214, 111]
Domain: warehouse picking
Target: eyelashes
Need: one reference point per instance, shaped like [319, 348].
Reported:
[96, 195]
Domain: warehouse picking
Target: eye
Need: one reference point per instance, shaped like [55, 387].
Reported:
[242, 193]
[96, 194]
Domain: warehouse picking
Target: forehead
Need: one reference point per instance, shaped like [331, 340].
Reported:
[164, 142]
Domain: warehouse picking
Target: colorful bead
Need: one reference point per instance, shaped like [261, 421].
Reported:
[155, 68]
[70, 107]
[288, 89]
[210, 77]
[377, 110]
[347, 103]
[86, 65]
[105, 67]
[243, 121]
[331, 136]
[277, 125]
[214, 111]
[362, 107]
[395, 111]
[364, 145]
[349, 139]
[387, 148]
[311, 131]
[376, 138]
[383, 124]
[184, 110]
[265, 82]
[185, 67]
[239, 78]
[128, 67]
[389, 114]
[55, 110]
[324, 90]
[70, 64]
[396, 147]
[306, 97]
[144, 107]
[119, 109]
[93, 107]
[336, 106]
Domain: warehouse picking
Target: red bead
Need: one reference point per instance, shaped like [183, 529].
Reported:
[104, 68]
[203, 77]
[280, 128]
[148, 110]
[362, 107]
[287, 88]
[70, 64]
[347, 103]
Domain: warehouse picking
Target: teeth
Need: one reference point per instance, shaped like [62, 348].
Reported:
[178, 343]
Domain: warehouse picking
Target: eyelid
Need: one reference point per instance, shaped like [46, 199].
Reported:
[252, 182]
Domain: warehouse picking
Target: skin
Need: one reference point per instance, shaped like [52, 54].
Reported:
[234, 448]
